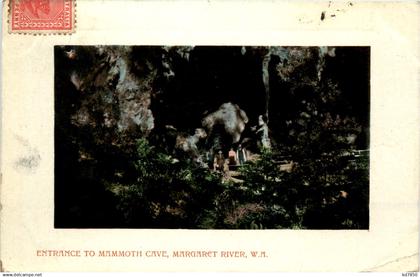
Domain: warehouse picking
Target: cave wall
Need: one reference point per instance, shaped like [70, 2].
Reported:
[107, 97]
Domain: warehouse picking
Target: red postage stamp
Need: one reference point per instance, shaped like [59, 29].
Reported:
[42, 16]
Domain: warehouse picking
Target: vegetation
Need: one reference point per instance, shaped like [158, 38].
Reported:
[327, 192]
[121, 111]
[167, 192]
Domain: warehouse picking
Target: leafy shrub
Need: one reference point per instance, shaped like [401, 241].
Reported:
[168, 193]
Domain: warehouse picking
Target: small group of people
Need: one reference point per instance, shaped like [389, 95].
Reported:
[238, 157]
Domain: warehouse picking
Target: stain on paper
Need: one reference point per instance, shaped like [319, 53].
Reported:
[29, 161]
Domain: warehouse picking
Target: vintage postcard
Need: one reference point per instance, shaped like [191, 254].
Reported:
[209, 136]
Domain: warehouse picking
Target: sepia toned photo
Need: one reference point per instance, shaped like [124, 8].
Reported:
[211, 137]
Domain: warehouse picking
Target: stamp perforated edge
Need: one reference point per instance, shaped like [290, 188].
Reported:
[41, 32]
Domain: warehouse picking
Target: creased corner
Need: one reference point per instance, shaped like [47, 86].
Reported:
[405, 263]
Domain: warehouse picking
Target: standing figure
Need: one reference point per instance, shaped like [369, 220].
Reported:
[241, 155]
[263, 133]
[232, 157]
[210, 158]
[219, 161]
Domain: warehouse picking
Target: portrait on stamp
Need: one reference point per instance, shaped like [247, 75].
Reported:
[41, 16]
[212, 137]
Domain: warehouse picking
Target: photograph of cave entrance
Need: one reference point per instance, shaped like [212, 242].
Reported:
[212, 137]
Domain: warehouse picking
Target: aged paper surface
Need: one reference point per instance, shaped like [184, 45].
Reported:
[27, 188]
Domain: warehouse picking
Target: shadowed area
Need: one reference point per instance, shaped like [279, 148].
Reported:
[227, 137]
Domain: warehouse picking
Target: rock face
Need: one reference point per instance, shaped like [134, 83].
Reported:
[137, 127]
[113, 95]
[189, 145]
[231, 117]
